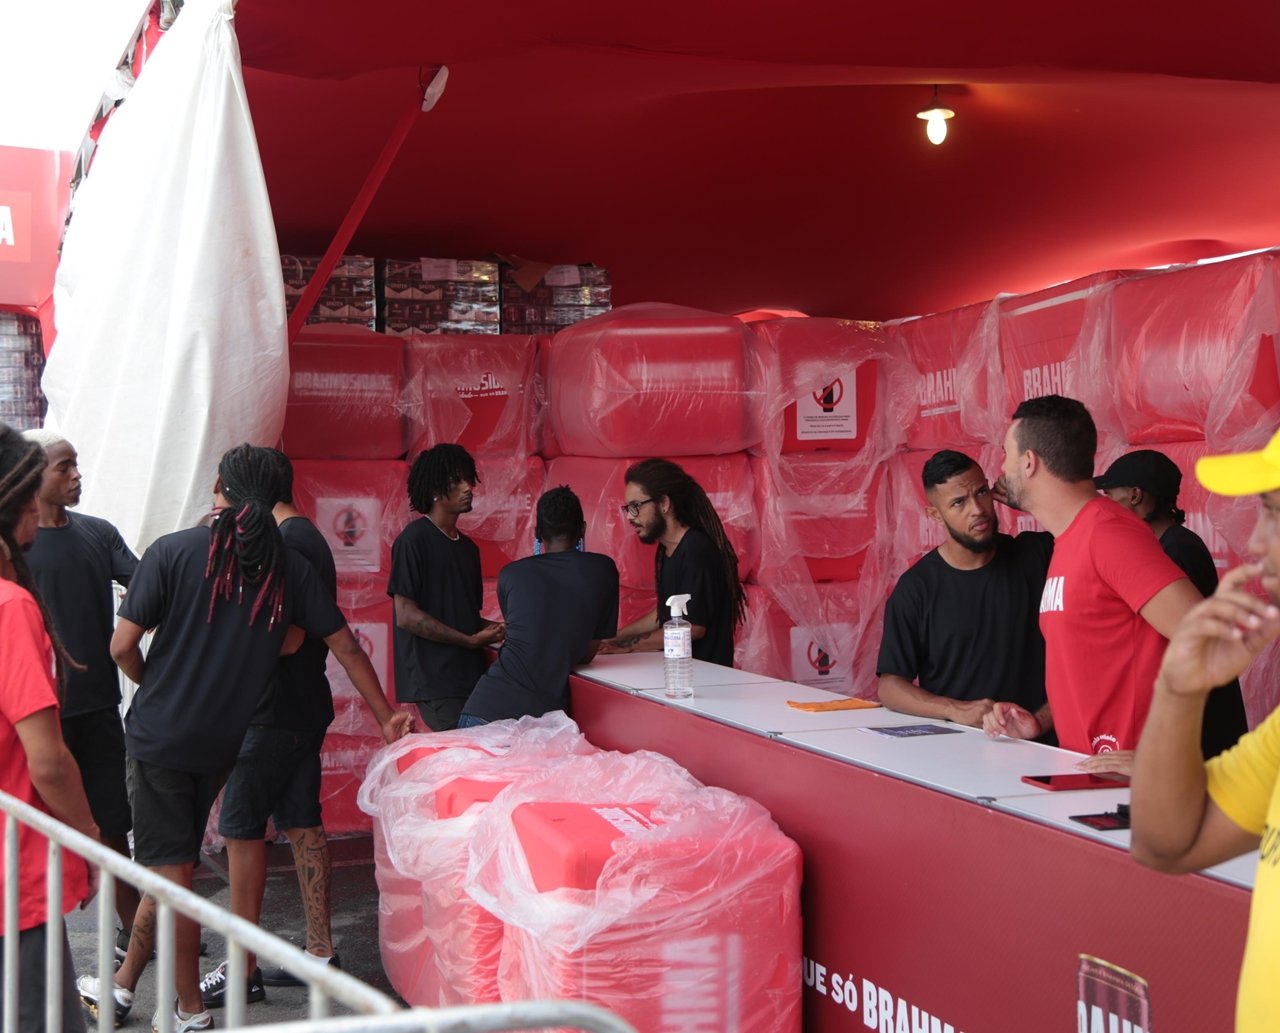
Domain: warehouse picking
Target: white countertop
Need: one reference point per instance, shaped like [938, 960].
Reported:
[964, 762]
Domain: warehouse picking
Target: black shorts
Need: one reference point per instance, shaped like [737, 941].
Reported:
[96, 740]
[170, 810]
[440, 715]
[277, 775]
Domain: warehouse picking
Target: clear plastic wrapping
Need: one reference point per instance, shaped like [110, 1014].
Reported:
[689, 903]
[652, 379]
[438, 946]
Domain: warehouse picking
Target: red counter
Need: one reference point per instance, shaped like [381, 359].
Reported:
[923, 911]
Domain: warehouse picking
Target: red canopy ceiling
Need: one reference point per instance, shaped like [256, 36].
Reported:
[767, 155]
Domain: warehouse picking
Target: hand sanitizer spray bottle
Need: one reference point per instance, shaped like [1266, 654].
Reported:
[677, 649]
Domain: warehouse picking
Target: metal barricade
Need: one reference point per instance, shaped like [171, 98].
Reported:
[377, 1012]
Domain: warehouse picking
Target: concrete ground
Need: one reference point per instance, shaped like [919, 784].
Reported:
[355, 928]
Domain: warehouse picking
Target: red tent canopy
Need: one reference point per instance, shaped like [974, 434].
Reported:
[769, 155]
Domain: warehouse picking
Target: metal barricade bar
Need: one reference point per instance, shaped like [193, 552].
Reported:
[378, 1013]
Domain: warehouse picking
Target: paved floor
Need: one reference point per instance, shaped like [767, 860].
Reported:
[355, 928]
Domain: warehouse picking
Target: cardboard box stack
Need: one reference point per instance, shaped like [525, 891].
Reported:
[349, 296]
[564, 295]
[439, 296]
[21, 364]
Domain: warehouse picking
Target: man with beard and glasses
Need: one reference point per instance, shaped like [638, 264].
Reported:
[1111, 598]
[960, 631]
[694, 557]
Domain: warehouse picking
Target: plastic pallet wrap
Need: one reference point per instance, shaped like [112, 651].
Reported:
[345, 395]
[820, 383]
[1191, 353]
[623, 882]
[475, 391]
[413, 846]
[935, 344]
[360, 508]
[652, 378]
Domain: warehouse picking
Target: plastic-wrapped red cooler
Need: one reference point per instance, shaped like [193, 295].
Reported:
[504, 512]
[819, 506]
[651, 378]
[600, 485]
[1045, 338]
[1194, 351]
[439, 947]
[697, 918]
[935, 343]
[372, 626]
[475, 390]
[345, 388]
[359, 508]
[820, 383]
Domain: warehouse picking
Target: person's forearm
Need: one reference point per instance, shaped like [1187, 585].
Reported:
[906, 697]
[418, 622]
[1168, 786]
[639, 627]
[1045, 717]
[60, 787]
[355, 661]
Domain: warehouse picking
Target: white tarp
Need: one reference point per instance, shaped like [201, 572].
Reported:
[171, 339]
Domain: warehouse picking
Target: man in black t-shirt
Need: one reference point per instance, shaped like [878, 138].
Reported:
[1147, 482]
[440, 637]
[226, 600]
[694, 557]
[961, 628]
[277, 774]
[74, 560]
[557, 607]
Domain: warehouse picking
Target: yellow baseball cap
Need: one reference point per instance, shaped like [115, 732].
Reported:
[1246, 473]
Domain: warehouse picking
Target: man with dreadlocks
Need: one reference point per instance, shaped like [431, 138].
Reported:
[74, 561]
[222, 599]
[440, 637]
[35, 764]
[694, 557]
[557, 607]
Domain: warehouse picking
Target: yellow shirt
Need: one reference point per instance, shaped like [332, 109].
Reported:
[1245, 784]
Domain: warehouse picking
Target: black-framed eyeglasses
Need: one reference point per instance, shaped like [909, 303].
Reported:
[632, 509]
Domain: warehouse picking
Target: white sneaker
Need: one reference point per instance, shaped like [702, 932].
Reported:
[91, 995]
[200, 1020]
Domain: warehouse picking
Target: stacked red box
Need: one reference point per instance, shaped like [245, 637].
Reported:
[599, 484]
[936, 344]
[343, 760]
[820, 383]
[345, 393]
[360, 508]
[475, 391]
[652, 379]
[1194, 351]
[504, 510]
[424, 795]
[819, 506]
[623, 883]
[372, 626]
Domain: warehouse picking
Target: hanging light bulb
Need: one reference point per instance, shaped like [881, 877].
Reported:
[935, 119]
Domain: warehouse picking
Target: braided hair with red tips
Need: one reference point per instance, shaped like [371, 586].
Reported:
[245, 546]
[22, 466]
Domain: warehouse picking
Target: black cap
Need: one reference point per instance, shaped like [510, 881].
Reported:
[1146, 469]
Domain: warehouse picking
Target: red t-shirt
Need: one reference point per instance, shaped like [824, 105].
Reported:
[1101, 657]
[26, 688]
